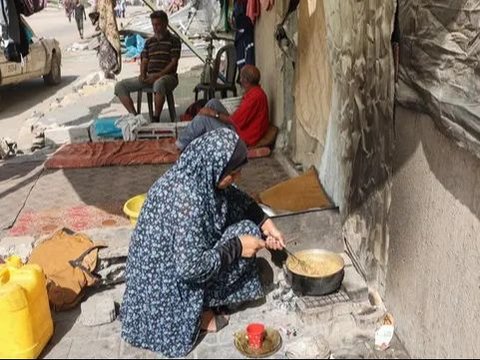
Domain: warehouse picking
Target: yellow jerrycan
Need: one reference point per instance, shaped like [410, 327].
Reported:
[26, 323]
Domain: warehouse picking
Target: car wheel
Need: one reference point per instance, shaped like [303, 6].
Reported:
[54, 77]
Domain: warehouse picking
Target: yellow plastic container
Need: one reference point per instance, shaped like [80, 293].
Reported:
[26, 323]
[133, 206]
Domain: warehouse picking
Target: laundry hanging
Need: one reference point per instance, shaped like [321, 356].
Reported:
[109, 53]
[29, 7]
[267, 4]
[253, 10]
[244, 36]
[15, 40]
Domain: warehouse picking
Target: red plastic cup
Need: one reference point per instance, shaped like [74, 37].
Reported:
[256, 335]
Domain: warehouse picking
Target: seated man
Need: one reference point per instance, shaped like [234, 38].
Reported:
[250, 120]
[158, 68]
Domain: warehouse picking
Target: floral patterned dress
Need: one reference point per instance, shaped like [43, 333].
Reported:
[174, 270]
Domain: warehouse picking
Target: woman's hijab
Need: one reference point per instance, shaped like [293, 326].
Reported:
[238, 159]
[201, 167]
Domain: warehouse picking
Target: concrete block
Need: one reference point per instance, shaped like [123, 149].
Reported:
[355, 285]
[91, 79]
[67, 115]
[98, 310]
[117, 241]
[21, 246]
[68, 134]
[29, 136]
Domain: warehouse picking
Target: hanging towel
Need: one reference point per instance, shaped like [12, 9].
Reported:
[253, 10]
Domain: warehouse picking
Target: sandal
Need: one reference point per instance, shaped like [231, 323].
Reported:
[213, 323]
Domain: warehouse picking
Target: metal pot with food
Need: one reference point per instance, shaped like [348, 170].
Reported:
[315, 272]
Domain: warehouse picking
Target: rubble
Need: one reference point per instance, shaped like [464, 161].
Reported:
[112, 259]
[31, 136]
[97, 78]
[21, 246]
[8, 148]
[68, 134]
[78, 47]
[112, 271]
[98, 310]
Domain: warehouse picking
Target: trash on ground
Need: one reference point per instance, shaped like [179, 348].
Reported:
[384, 334]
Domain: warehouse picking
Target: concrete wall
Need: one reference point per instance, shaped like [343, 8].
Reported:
[434, 257]
[356, 163]
[267, 59]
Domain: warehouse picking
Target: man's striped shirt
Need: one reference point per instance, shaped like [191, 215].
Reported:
[160, 52]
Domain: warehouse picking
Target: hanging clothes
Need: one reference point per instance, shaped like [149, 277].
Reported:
[30, 7]
[244, 40]
[253, 10]
[267, 4]
[239, 7]
[109, 52]
[16, 44]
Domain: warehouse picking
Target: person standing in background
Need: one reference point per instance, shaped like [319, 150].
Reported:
[69, 8]
[123, 8]
[80, 15]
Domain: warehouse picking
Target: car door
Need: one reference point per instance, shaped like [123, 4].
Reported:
[37, 58]
[9, 71]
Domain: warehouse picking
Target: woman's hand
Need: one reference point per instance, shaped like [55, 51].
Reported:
[251, 245]
[275, 240]
[272, 243]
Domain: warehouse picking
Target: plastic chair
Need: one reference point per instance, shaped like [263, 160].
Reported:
[210, 90]
[168, 97]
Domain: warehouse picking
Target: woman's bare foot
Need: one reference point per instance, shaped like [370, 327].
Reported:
[212, 323]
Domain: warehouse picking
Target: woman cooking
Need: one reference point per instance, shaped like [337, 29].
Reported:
[193, 248]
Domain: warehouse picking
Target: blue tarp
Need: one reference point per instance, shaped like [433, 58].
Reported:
[105, 127]
[134, 45]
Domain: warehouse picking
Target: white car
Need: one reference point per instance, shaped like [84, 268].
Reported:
[44, 59]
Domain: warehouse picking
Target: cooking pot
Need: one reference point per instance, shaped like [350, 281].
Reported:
[310, 285]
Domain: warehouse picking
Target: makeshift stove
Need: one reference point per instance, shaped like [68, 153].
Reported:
[284, 298]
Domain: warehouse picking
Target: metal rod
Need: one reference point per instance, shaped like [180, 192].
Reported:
[178, 33]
